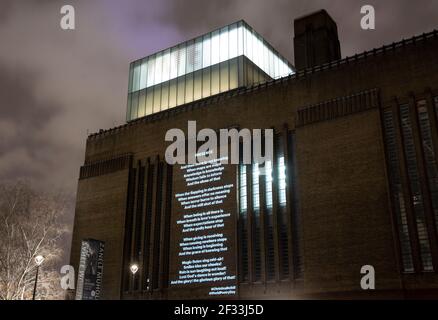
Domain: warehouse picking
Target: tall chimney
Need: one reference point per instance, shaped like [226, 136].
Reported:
[316, 40]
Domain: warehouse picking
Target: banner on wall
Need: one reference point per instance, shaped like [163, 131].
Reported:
[90, 271]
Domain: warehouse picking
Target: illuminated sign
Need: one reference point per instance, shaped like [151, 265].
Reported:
[203, 251]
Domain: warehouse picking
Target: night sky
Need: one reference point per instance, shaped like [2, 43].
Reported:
[56, 86]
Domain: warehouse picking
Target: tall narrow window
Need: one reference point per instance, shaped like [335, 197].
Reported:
[429, 155]
[139, 219]
[147, 226]
[291, 173]
[417, 197]
[282, 210]
[256, 222]
[157, 228]
[398, 199]
[270, 253]
[243, 223]
[436, 106]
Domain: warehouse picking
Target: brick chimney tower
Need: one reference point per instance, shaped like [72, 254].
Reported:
[316, 40]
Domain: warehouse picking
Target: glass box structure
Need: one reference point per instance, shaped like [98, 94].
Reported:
[221, 60]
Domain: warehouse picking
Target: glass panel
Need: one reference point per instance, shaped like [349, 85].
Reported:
[259, 52]
[149, 100]
[233, 41]
[181, 58]
[240, 40]
[165, 95]
[215, 47]
[224, 44]
[190, 57]
[189, 88]
[136, 80]
[134, 105]
[206, 82]
[265, 67]
[166, 66]
[206, 51]
[249, 73]
[143, 73]
[271, 63]
[157, 98]
[412, 165]
[158, 68]
[397, 191]
[198, 54]
[248, 44]
[142, 103]
[128, 108]
[215, 79]
[197, 93]
[234, 76]
[181, 91]
[151, 71]
[225, 79]
[131, 76]
[172, 93]
[173, 63]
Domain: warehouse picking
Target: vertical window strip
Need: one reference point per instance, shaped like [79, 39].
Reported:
[429, 155]
[282, 210]
[256, 222]
[139, 219]
[148, 221]
[417, 197]
[397, 191]
[167, 217]
[128, 228]
[270, 253]
[157, 228]
[282, 180]
[436, 106]
[296, 214]
[243, 223]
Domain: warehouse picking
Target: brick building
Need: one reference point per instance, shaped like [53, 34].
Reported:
[353, 181]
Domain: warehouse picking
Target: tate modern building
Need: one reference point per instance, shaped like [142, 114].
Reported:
[352, 182]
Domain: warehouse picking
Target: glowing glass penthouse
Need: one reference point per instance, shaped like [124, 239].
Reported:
[222, 60]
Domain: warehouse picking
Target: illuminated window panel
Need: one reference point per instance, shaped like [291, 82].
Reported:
[397, 191]
[208, 53]
[415, 184]
[429, 154]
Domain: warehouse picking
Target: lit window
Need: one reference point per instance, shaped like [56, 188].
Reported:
[255, 186]
[268, 179]
[215, 48]
[166, 66]
[429, 155]
[281, 181]
[417, 197]
[243, 191]
[397, 191]
[223, 45]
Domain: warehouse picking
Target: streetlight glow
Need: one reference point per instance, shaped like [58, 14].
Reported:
[39, 260]
[134, 268]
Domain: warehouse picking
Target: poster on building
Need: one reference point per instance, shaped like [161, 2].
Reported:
[90, 271]
[203, 252]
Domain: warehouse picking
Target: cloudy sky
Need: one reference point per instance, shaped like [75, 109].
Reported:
[56, 86]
